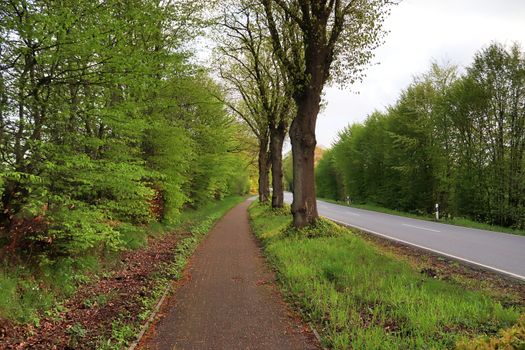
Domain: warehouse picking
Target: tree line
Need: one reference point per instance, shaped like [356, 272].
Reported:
[106, 124]
[453, 139]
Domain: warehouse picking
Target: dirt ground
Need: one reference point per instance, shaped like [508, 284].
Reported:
[88, 317]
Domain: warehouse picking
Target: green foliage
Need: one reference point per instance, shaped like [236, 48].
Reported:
[456, 141]
[98, 124]
[326, 178]
[322, 227]
[361, 298]
[105, 128]
[26, 292]
[76, 332]
[288, 172]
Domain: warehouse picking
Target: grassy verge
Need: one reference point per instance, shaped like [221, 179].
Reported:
[29, 292]
[458, 221]
[361, 298]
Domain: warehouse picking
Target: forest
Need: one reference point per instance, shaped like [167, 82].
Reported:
[107, 125]
[452, 138]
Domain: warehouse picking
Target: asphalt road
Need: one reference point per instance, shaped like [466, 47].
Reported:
[496, 251]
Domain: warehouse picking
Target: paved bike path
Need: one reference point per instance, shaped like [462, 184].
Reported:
[229, 300]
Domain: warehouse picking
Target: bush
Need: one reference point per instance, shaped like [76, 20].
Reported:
[507, 339]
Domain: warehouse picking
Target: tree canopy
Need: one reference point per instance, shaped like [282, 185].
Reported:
[453, 139]
[106, 125]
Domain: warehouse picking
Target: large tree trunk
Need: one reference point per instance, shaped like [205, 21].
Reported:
[264, 171]
[302, 136]
[277, 134]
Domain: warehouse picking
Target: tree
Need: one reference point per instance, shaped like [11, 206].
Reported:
[95, 124]
[308, 37]
[497, 77]
[255, 76]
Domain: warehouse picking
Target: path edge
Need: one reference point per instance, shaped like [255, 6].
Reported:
[170, 287]
[150, 320]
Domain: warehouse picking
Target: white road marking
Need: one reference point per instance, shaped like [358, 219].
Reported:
[421, 228]
[434, 250]
[335, 212]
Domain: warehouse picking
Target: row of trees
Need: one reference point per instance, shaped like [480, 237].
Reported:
[280, 54]
[457, 140]
[102, 115]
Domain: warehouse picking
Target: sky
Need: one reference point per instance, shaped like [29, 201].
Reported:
[420, 32]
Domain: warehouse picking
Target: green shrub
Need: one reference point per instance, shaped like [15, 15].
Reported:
[512, 338]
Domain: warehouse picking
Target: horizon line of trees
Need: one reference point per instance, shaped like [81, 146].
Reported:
[453, 139]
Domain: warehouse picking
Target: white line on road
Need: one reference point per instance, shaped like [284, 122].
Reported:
[327, 208]
[421, 228]
[433, 250]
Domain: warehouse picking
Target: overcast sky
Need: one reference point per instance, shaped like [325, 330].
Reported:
[421, 31]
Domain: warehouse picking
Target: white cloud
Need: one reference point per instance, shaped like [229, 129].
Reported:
[421, 31]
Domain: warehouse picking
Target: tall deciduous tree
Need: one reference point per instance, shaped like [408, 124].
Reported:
[255, 75]
[314, 41]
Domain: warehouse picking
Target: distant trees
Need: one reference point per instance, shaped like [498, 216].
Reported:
[101, 113]
[259, 92]
[454, 140]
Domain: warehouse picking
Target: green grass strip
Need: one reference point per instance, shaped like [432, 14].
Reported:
[360, 298]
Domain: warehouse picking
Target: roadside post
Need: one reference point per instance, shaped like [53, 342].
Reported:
[437, 212]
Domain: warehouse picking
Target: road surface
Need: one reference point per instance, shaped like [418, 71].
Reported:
[500, 252]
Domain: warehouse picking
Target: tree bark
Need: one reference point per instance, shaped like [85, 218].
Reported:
[277, 134]
[264, 171]
[302, 136]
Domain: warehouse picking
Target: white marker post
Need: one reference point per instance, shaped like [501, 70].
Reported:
[437, 212]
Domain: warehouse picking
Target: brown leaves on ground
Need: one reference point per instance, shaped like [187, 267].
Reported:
[88, 317]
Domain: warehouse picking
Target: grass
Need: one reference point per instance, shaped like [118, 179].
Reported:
[28, 292]
[360, 298]
[458, 221]
[25, 293]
